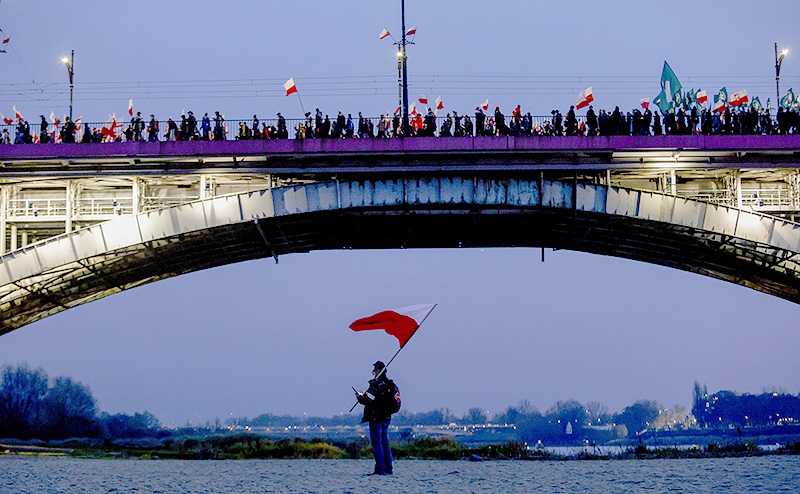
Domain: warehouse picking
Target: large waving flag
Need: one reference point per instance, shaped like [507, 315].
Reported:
[423, 99]
[701, 96]
[670, 95]
[411, 31]
[439, 104]
[757, 106]
[18, 115]
[584, 98]
[401, 323]
[6, 121]
[290, 86]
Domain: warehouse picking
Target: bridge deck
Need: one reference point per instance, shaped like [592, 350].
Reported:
[395, 155]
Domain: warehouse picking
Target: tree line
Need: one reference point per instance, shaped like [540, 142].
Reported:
[725, 409]
[33, 406]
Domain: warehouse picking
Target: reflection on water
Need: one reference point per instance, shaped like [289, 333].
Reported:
[68, 475]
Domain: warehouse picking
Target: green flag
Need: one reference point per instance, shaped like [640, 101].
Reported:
[757, 104]
[769, 104]
[788, 100]
[662, 102]
[670, 96]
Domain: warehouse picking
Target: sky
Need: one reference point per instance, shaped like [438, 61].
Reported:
[260, 337]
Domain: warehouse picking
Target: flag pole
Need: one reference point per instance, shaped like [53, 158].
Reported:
[301, 104]
[383, 371]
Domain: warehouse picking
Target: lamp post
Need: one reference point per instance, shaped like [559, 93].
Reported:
[778, 62]
[70, 63]
[402, 69]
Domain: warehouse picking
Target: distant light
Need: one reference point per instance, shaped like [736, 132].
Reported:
[784, 53]
[399, 54]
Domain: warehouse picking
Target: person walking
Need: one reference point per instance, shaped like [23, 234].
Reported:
[381, 399]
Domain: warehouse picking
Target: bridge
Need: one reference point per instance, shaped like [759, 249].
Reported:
[83, 221]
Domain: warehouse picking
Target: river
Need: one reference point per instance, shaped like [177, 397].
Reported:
[70, 475]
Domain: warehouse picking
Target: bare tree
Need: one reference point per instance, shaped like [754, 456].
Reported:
[69, 410]
[21, 394]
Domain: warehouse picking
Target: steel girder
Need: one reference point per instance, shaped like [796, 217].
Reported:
[750, 249]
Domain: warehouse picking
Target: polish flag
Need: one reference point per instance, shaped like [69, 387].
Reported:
[701, 96]
[130, 107]
[6, 40]
[411, 31]
[401, 323]
[645, 102]
[7, 121]
[397, 112]
[290, 86]
[719, 106]
[584, 98]
[412, 110]
[439, 104]
[17, 114]
[485, 105]
[77, 122]
[384, 33]
[739, 98]
[54, 119]
[423, 98]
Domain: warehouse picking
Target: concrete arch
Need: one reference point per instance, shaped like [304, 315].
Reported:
[746, 248]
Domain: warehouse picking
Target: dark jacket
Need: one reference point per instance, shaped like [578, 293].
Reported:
[378, 399]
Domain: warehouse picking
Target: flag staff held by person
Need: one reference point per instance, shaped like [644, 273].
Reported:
[401, 323]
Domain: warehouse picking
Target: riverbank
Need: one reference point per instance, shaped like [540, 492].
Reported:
[248, 447]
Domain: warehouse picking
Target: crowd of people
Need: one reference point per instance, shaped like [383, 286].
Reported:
[696, 120]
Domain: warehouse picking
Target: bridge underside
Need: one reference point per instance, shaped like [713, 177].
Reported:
[407, 226]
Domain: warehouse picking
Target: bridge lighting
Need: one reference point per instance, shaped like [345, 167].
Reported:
[778, 62]
[70, 63]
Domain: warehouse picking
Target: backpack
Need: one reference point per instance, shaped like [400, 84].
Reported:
[392, 398]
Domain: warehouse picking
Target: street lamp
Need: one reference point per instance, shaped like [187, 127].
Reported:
[70, 63]
[402, 69]
[778, 62]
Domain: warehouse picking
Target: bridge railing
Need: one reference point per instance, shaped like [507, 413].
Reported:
[542, 123]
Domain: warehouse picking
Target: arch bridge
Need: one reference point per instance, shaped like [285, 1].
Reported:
[82, 221]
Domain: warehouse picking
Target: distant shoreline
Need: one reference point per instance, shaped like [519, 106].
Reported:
[248, 448]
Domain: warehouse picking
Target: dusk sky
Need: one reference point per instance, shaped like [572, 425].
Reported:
[258, 337]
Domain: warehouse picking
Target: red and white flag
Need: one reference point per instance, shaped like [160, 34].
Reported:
[645, 102]
[401, 323]
[423, 98]
[17, 114]
[485, 105]
[739, 98]
[78, 122]
[411, 31]
[6, 121]
[701, 96]
[6, 40]
[584, 98]
[130, 107]
[290, 86]
[439, 104]
[384, 33]
[412, 110]
[55, 119]
[397, 112]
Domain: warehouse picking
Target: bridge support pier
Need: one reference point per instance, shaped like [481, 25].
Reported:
[69, 207]
[3, 215]
[13, 237]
